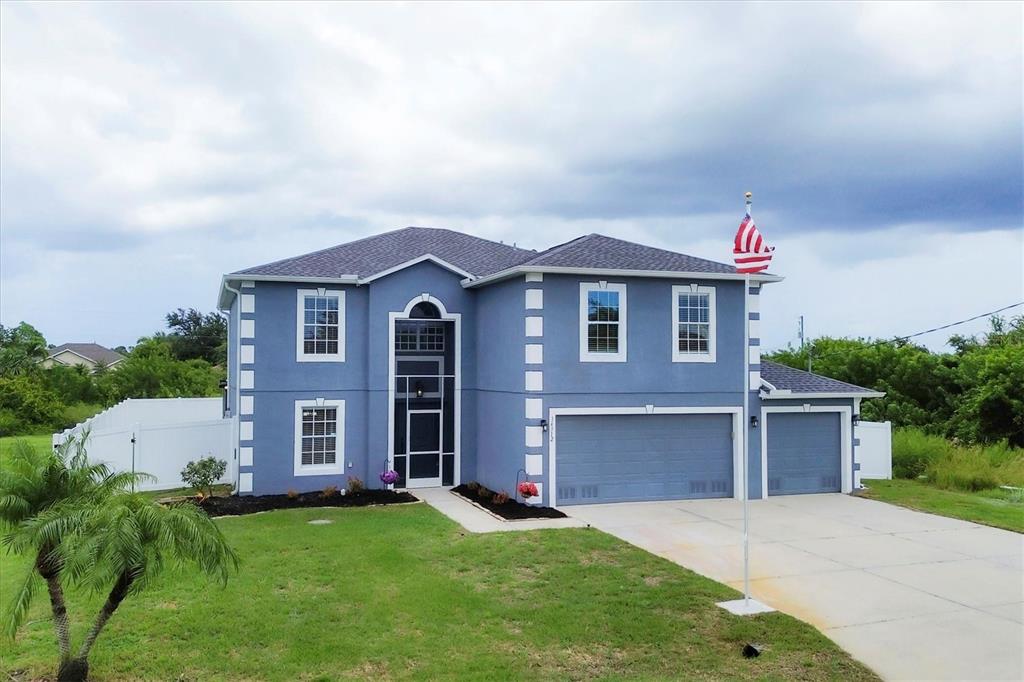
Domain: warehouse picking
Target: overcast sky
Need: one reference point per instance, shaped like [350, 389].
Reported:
[146, 149]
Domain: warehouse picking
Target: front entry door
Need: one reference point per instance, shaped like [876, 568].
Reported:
[423, 445]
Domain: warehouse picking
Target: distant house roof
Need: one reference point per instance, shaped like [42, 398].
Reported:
[787, 382]
[480, 261]
[90, 351]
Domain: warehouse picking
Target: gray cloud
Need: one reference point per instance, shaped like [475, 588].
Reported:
[194, 139]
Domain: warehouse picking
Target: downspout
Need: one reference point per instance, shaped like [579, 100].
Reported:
[238, 374]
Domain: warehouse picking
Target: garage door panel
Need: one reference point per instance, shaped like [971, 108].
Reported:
[617, 458]
[804, 453]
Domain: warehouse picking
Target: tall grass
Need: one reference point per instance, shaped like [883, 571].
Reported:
[952, 466]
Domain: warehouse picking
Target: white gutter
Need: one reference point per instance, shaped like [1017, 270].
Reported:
[786, 394]
[238, 375]
[664, 274]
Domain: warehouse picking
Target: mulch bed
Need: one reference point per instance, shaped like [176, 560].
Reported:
[237, 505]
[511, 510]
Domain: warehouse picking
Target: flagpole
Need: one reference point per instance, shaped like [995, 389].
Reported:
[746, 606]
[746, 429]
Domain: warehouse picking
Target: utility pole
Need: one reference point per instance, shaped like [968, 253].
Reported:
[803, 343]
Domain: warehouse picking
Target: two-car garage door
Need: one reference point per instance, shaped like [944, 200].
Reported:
[641, 457]
[636, 457]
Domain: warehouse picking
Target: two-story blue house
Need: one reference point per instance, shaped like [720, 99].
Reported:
[600, 369]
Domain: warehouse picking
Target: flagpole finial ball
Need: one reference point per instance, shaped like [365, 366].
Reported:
[749, 194]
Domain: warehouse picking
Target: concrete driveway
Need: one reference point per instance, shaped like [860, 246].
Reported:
[912, 595]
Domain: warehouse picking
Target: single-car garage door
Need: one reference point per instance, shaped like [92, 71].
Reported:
[804, 453]
[637, 457]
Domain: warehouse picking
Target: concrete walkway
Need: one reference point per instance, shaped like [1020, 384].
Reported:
[912, 595]
[476, 520]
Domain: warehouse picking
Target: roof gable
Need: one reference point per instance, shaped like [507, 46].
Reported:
[600, 252]
[372, 256]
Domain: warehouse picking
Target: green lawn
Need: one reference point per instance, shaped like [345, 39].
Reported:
[402, 592]
[996, 507]
[41, 442]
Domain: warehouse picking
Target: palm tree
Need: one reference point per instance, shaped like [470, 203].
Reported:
[124, 543]
[53, 483]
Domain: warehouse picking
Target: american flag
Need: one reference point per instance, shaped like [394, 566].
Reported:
[750, 251]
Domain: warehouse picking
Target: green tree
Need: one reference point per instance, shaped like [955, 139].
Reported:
[151, 371]
[21, 348]
[197, 336]
[124, 544]
[56, 485]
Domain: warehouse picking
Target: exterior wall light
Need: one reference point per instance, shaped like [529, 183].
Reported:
[544, 425]
[419, 389]
[754, 421]
[856, 419]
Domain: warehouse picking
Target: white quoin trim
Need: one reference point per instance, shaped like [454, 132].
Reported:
[247, 379]
[534, 277]
[245, 456]
[245, 482]
[456, 319]
[534, 408]
[244, 431]
[534, 299]
[247, 354]
[534, 326]
[738, 434]
[534, 354]
[534, 380]
[248, 303]
[755, 328]
[754, 382]
[247, 329]
[534, 465]
[845, 440]
[534, 437]
[246, 404]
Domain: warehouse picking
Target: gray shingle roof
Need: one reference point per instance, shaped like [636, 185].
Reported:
[93, 351]
[787, 378]
[479, 257]
[598, 251]
[369, 256]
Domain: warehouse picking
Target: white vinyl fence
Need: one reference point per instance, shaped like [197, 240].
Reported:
[157, 436]
[874, 452]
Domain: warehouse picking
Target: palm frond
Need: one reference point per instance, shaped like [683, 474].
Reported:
[19, 605]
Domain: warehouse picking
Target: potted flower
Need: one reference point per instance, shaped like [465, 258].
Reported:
[528, 489]
[389, 477]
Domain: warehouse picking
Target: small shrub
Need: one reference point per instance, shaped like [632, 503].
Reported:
[329, 492]
[292, 493]
[355, 485]
[483, 492]
[202, 474]
[500, 498]
[472, 485]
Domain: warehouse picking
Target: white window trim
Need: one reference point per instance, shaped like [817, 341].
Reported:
[300, 354]
[712, 324]
[339, 447]
[585, 355]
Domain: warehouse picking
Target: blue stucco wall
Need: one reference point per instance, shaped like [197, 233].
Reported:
[493, 340]
[361, 380]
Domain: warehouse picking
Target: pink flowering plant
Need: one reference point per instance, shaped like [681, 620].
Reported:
[528, 489]
[389, 477]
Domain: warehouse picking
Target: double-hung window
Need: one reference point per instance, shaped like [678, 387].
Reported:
[319, 437]
[320, 326]
[602, 322]
[693, 328]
